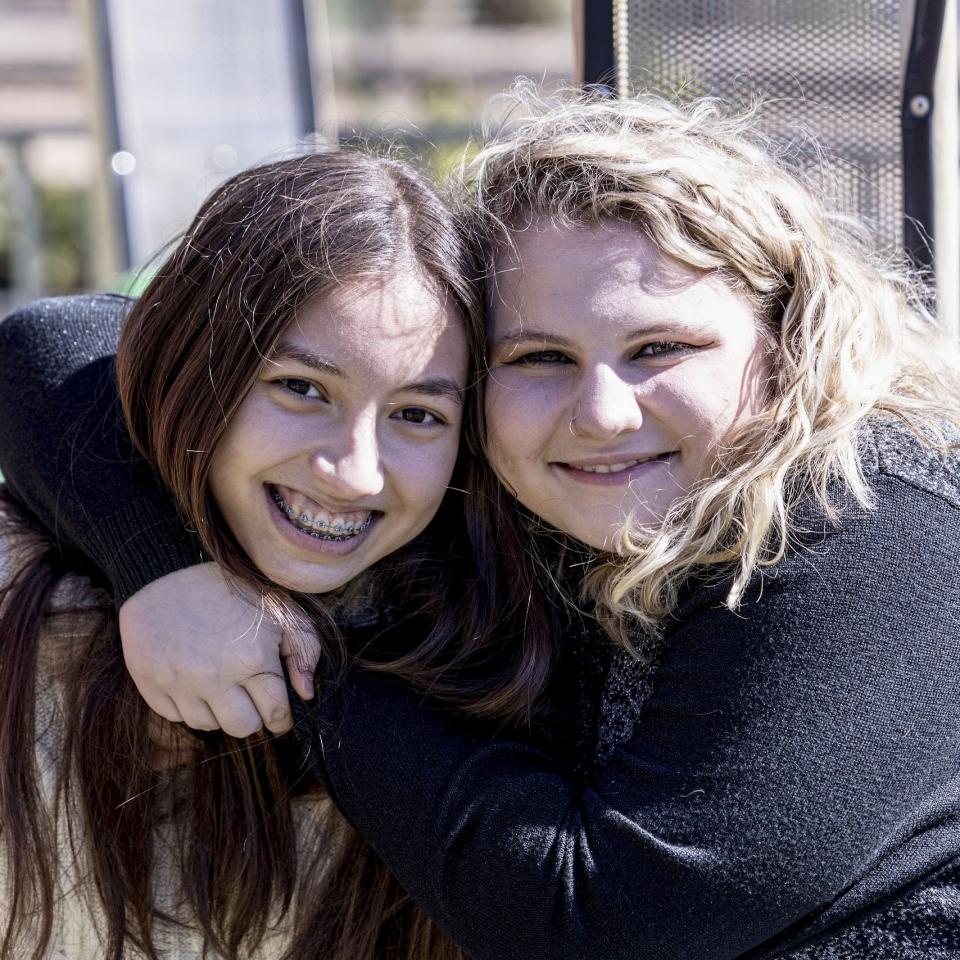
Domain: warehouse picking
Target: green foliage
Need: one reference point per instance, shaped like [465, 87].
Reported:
[515, 12]
[132, 283]
[443, 158]
[63, 230]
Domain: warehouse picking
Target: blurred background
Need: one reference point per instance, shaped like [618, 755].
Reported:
[117, 117]
[142, 106]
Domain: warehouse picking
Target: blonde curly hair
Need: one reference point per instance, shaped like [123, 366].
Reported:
[851, 334]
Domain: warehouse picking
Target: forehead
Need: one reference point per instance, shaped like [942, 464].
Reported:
[403, 303]
[388, 327]
[607, 268]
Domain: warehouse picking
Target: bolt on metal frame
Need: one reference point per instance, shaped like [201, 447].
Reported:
[861, 76]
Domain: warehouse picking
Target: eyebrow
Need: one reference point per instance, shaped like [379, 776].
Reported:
[528, 335]
[433, 387]
[436, 387]
[290, 351]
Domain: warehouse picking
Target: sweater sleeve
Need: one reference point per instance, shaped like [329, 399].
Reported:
[782, 752]
[65, 450]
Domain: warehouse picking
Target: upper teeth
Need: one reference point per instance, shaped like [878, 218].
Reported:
[334, 526]
[608, 467]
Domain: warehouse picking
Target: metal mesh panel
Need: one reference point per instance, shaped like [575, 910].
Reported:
[830, 68]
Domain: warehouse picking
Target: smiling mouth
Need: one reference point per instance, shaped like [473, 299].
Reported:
[619, 467]
[346, 527]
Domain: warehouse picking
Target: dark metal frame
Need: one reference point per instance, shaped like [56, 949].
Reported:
[599, 66]
[300, 63]
[917, 112]
[104, 51]
[919, 210]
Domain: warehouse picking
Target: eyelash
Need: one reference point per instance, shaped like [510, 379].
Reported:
[674, 347]
[435, 419]
[538, 356]
[286, 383]
[541, 356]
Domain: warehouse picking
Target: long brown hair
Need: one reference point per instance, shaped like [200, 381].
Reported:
[262, 245]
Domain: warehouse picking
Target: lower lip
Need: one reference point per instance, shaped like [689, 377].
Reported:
[618, 479]
[303, 541]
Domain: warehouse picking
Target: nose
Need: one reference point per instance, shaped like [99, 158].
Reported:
[350, 466]
[606, 405]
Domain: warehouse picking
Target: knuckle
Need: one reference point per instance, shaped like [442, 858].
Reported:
[242, 730]
[279, 720]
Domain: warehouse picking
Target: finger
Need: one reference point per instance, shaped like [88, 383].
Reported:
[301, 680]
[162, 705]
[268, 691]
[166, 708]
[171, 744]
[236, 713]
[197, 715]
[300, 649]
[301, 677]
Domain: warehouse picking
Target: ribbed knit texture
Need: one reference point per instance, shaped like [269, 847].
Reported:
[64, 449]
[784, 783]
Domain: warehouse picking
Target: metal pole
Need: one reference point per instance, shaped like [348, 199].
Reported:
[917, 127]
[300, 62]
[110, 123]
[321, 61]
[597, 44]
[28, 245]
[946, 150]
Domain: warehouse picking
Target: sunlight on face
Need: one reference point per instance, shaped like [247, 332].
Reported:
[615, 373]
[343, 449]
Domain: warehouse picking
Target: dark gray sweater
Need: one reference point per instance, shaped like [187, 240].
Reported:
[781, 782]
[64, 447]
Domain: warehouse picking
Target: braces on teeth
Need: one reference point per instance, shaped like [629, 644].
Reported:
[321, 529]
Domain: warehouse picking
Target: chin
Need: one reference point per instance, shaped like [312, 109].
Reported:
[299, 581]
[601, 536]
[605, 534]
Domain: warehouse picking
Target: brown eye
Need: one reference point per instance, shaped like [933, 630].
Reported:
[303, 388]
[416, 415]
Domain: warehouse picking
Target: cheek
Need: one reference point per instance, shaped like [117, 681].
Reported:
[682, 400]
[262, 435]
[735, 390]
[505, 436]
[759, 380]
[227, 490]
[707, 403]
[231, 469]
[421, 473]
[521, 417]
[254, 439]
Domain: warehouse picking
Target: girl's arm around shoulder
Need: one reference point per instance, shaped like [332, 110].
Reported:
[190, 642]
[782, 750]
[64, 447]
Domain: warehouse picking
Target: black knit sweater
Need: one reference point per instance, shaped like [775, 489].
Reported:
[64, 448]
[780, 782]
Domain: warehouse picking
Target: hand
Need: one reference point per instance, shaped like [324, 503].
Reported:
[171, 746]
[204, 652]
